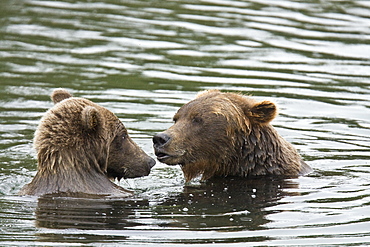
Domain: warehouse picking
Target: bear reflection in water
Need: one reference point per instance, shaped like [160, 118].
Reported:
[88, 213]
[226, 204]
[218, 204]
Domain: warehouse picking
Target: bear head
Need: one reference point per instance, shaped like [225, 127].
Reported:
[80, 145]
[226, 134]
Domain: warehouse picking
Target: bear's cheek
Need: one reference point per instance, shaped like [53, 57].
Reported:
[115, 165]
[132, 161]
[118, 157]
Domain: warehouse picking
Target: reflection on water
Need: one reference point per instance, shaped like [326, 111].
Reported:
[143, 60]
[233, 204]
[88, 213]
[217, 205]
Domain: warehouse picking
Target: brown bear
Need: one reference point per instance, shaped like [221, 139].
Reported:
[81, 147]
[227, 134]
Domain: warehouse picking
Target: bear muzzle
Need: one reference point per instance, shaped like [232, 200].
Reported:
[140, 170]
[133, 170]
[162, 149]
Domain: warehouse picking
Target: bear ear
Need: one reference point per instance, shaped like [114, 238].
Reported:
[59, 94]
[90, 118]
[263, 112]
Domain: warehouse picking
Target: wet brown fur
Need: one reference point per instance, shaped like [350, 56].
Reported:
[79, 146]
[227, 134]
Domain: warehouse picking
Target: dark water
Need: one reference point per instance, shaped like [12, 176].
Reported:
[143, 60]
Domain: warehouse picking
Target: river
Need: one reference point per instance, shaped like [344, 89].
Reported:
[143, 60]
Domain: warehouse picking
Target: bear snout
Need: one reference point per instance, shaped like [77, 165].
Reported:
[136, 170]
[161, 139]
[140, 169]
[151, 163]
[160, 144]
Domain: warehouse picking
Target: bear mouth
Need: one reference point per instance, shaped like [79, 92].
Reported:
[167, 158]
[162, 156]
[113, 175]
[170, 158]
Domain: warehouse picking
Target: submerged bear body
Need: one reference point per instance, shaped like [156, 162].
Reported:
[226, 134]
[80, 147]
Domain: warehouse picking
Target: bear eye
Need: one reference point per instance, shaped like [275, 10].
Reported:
[197, 120]
[121, 136]
[124, 135]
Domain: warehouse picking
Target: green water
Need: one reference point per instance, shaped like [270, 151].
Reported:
[143, 60]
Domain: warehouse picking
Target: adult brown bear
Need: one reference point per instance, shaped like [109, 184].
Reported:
[80, 147]
[227, 134]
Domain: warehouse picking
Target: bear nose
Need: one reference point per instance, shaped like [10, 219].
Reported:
[151, 163]
[161, 139]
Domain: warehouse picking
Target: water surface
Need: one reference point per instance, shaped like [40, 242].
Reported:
[143, 60]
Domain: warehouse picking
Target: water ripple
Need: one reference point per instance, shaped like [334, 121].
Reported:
[143, 60]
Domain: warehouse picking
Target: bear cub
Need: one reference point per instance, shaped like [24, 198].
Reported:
[227, 134]
[81, 147]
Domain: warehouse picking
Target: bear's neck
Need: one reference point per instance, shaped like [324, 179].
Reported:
[265, 152]
[72, 179]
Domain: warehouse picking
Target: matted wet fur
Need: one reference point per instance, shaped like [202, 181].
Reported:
[227, 134]
[80, 147]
